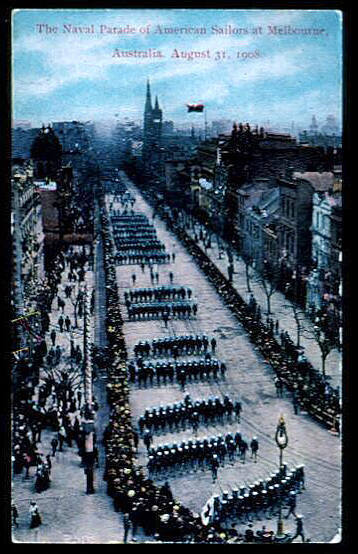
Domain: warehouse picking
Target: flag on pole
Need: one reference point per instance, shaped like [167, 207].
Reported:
[195, 107]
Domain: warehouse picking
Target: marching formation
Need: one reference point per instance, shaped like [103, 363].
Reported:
[199, 454]
[143, 503]
[188, 359]
[136, 240]
[259, 500]
[175, 346]
[149, 372]
[189, 413]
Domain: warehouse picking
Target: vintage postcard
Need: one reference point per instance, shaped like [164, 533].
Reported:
[176, 223]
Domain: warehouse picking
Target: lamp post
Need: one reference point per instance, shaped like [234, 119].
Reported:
[281, 439]
[88, 417]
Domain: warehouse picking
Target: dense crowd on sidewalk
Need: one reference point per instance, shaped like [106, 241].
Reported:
[47, 393]
[309, 388]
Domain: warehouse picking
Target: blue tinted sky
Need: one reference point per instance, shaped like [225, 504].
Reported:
[67, 76]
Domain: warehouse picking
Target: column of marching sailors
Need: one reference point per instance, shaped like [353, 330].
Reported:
[158, 362]
[184, 359]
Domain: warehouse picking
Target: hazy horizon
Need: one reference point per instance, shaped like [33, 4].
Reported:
[67, 75]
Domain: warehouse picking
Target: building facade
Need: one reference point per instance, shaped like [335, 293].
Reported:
[324, 286]
[295, 235]
[29, 221]
[259, 238]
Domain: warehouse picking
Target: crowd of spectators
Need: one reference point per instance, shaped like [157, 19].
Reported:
[47, 395]
[308, 386]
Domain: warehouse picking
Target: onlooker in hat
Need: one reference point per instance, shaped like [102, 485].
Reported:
[254, 445]
[35, 518]
[15, 515]
[53, 336]
[54, 444]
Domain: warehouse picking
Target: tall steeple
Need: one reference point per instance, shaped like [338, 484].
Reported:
[152, 128]
[148, 114]
[314, 125]
[148, 101]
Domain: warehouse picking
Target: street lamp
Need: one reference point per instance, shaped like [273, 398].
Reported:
[88, 416]
[281, 439]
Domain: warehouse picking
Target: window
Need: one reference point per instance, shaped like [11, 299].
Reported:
[317, 220]
[293, 210]
[292, 244]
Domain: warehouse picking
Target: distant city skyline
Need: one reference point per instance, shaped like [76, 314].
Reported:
[67, 75]
[178, 125]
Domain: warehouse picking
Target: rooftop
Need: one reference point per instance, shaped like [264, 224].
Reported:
[321, 182]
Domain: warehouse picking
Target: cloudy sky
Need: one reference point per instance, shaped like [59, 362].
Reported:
[67, 75]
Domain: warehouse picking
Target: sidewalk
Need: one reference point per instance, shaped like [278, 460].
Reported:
[281, 307]
[69, 515]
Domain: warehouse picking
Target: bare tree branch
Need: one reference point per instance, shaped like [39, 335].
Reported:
[269, 281]
[300, 320]
[313, 332]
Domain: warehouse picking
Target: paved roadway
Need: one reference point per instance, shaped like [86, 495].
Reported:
[250, 378]
[71, 516]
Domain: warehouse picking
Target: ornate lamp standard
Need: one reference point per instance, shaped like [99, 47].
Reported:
[281, 439]
[88, 415]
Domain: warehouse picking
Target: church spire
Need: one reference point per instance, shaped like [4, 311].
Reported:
[148, 102]
[156, 103]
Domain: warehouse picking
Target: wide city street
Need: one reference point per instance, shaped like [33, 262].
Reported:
[248, 378]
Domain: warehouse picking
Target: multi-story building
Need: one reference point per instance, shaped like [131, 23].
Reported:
[28, 217]
[259, 237]
[208, 183]
[177, 181]
[295, 237]
[324, 283]
[254, 154]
